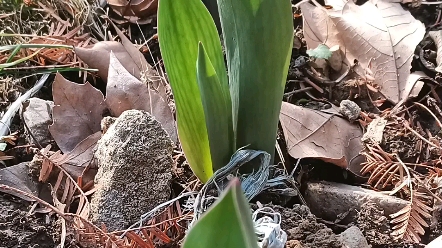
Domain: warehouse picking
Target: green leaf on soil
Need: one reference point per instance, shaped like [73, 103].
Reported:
[181, 26]
[227, 223]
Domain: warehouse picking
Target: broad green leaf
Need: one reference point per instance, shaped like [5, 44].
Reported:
[212, 6]
[228, 223]
[258, 35]
[181, 25]
[217, 110]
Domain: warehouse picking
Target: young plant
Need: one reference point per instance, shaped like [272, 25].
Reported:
[227, 223]
[219, 113]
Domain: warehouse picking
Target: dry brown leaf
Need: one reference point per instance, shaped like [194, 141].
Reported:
[125, 92]
[80, 162]
[380, 35]
[147, 73]
[82, 154]
[315, 134]
[17, 176]
[77, 113]
[131, 58]
[97, 57]
[138, 8]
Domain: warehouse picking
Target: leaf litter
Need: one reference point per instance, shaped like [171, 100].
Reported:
[79, 109]
[305, 129]
[77, 113]
[377, 35]
[397, 141]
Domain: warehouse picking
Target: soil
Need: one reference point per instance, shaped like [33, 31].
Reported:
[376, 228]
[18, 229]
[303, 230]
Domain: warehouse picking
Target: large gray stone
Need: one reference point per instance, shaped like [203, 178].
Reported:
[332, 201]
[134, 175]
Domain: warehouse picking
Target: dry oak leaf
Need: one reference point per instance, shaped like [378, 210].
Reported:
[379, 35]
[316, 134]
[82, 154]
[125, 92]
[97, 56]
[77, 113]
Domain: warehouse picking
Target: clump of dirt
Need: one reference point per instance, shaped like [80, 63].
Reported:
[374, 225]
[436, 222]
[376, 228]
[21, 230]
[303, 231]
[396, 141]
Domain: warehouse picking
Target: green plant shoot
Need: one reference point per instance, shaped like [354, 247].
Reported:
[227, 223]
[182, 24]
[216, 113]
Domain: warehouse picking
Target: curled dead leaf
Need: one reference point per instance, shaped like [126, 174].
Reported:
[124, 92]
[97, 57]
[77, 113]
[315, 134]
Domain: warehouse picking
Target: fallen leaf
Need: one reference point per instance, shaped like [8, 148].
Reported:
[77, 113]
[82, 154]
[138, 8]
[80, 162]
[436, 243]
[17, 176]
[147, 73]
[378, 35]
[125, 92]
[315, 134]
[97, 57]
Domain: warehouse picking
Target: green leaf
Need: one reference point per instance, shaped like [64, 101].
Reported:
[321, 52]
[227, 223]
[258, 35]
[217, 110]
[181, 25]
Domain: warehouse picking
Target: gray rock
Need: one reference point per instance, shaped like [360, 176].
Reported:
[332, 201]
[350, 110]
[134, 175]
[38, 116]
[353, 238]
